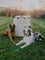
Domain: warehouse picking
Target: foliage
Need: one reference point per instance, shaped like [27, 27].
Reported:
[11, 13]
[2, 13]
[38, 14]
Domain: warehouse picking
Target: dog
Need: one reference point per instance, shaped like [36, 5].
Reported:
[11, 33]
[29, 37]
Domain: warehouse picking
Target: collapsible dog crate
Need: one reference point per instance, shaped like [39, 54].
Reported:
[21, 22]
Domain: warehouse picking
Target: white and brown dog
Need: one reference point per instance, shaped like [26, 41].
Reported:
[29, 37]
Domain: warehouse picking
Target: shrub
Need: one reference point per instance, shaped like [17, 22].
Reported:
[2, 13]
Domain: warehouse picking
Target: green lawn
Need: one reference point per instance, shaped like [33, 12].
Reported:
[9, 51]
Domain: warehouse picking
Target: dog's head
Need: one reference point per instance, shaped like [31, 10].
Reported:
[27, 31]
[12, 29]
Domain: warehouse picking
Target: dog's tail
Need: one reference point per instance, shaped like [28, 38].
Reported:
[6, 32]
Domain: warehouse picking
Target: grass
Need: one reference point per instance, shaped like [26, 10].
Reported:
[9, 51]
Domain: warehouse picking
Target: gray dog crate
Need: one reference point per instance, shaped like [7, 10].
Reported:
[21, 22]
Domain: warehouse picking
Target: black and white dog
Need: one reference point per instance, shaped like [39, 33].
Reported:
[30, 37]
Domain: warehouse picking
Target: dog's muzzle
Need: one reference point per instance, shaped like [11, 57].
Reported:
[12, 30]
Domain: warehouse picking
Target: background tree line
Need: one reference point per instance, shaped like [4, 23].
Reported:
[11, 13]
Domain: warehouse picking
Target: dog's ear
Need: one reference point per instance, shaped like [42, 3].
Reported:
[10, 26]
[14, 26]
[29, 32]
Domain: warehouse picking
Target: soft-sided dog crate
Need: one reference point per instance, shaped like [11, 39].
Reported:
[21, 22]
